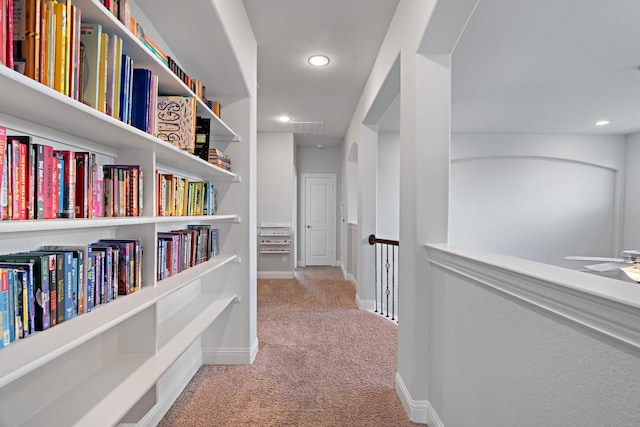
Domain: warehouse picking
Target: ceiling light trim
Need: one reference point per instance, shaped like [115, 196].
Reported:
[319, 60]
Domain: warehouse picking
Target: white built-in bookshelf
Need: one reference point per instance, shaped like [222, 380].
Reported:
[125, 362]
[274, 238]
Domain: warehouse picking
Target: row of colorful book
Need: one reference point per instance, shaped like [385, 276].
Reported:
[39, 182]
[179, 196]
[182, 249]
[54, 284]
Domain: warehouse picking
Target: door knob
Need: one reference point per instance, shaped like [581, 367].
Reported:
[308, 226]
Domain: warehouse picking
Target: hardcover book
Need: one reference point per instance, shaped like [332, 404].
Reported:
[68, 183]
[176, 121]
[3, 172]
[60, 67]
[91, 37]
[4, 305]
[40, 286]
[140, 99]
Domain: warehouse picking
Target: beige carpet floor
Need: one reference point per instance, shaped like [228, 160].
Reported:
[322, 362]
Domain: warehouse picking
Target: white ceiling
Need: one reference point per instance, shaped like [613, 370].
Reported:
[350, 32]
[548, 66]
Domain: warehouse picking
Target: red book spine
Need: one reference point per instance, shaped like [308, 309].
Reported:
[82, 179]
[49, 195]
[55, 183]
[39, 182]
[3, 31]
[9, 34]
[3, 160]
[31, 181]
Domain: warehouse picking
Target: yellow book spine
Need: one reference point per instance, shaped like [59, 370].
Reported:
[117, 79]
[102, 79]
[60, 62]
[44, 66]
[68, 64]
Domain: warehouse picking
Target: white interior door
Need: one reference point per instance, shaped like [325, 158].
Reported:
[320, 230]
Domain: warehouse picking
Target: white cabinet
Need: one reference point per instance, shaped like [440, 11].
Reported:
[107, 366]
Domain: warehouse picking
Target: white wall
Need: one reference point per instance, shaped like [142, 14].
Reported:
[315, 160]
[527, 357]
[539, 197]
[275, 177]
[388, 197]
[417, 225]
[276, 196]
[631, 238]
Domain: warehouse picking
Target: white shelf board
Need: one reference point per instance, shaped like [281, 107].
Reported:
[275, 252]
[199, 218]
[274, 234]
[111, 392]
[69, 224]
[191, 321]
[84, 223]
[175, 282]
[25, 355]
[51, 109]
[91, 394]
[274, 243]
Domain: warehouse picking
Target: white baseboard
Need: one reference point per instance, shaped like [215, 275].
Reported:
[230, 356]
[275, 274]
[432, 417]
[365, 304]
[418, 411]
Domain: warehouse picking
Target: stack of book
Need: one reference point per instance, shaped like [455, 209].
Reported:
[42, 288]
[220, 159]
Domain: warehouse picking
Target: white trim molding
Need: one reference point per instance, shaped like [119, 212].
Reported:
[275, 274]
[365, 304]
[417, 410]
[606, 306]
[230, 356]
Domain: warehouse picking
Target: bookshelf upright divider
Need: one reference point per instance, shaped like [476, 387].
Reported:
[110, 366]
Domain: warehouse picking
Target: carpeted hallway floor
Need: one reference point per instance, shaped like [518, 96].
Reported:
[322, 362]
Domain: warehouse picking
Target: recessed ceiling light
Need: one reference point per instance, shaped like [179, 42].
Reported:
[320, 146]
[602, 123]
[318, 60]
[284, 118]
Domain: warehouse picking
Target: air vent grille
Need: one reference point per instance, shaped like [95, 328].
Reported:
[307, 127]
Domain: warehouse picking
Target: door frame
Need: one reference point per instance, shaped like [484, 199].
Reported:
[303, 213]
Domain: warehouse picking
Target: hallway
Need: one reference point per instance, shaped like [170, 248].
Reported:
[322, 362]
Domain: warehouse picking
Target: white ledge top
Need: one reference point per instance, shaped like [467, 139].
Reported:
[604, 305]
[620, 291]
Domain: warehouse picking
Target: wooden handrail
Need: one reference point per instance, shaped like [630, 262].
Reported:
[373, 240]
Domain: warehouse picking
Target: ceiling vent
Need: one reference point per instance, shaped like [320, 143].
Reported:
[307, 127]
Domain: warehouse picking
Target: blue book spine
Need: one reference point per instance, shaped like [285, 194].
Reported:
[90, 277]
[12, 304]
[68, 286]
[4, 307]
[74, 286]
[141, 98]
